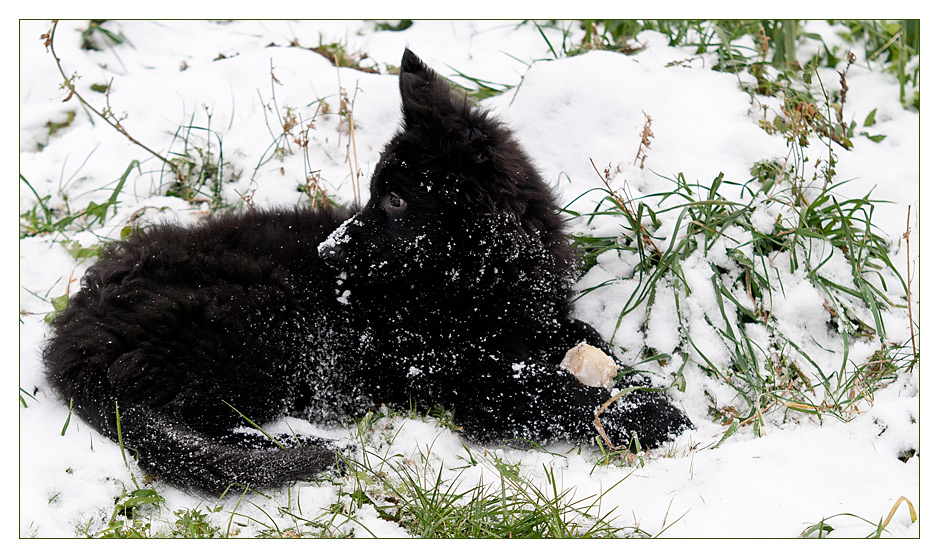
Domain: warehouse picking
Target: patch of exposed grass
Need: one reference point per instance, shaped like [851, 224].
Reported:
[751, 264]
[401, 25]
[823, 529]
[482, 88]
[788, 223]
[54, 126]
[427, 499]
[99, 31]
[44, 219]
[769, 49]
[201, 170]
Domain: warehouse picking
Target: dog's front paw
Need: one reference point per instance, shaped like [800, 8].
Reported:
[644, 417]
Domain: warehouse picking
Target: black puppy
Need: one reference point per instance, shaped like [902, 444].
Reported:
[450, 287]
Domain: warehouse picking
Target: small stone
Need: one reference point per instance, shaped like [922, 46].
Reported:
[590, 365]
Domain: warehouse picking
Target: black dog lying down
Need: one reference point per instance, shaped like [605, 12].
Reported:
[450, 287]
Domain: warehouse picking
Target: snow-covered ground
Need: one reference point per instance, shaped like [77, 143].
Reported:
[237, 79]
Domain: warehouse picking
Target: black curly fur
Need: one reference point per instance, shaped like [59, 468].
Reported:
[450, 287]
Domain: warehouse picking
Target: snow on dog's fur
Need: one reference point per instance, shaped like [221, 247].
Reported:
[450, 287]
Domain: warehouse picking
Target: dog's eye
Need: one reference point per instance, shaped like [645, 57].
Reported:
[394, 204]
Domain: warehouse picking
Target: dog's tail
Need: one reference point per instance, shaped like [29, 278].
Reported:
[209, 461]
[211, 464]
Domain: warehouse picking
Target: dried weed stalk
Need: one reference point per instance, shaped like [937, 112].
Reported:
[910, 311]
[843, 93]
[107, 114]
[645, 139]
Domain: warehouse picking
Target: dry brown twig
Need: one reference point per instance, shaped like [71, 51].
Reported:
[597, 417]
[107, 115]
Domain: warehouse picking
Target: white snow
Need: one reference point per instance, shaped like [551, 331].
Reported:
[566, 113]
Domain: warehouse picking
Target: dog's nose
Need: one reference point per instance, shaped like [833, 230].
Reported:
[333, 247]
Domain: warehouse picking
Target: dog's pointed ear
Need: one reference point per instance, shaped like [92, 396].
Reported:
[426, 99]
[429, 104]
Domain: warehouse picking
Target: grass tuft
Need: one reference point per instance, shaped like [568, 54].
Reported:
[423, 498]
[750, 268]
